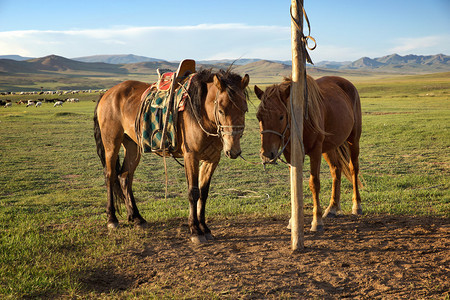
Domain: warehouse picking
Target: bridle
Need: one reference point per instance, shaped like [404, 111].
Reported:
[235, 129]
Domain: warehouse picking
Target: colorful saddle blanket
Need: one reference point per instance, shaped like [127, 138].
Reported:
[153, 113]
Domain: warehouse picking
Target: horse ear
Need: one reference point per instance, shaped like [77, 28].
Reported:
[259, 93]
[286, 91]
[218, 84]
[245, 81]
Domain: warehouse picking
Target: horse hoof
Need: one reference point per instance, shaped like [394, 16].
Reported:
[329, 214]
[209, 237]
[141, 224]
[198, 239]
[113, 225]
[357, 211]
[316, 228]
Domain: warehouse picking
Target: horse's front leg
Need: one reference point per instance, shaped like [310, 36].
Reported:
[206, 172]
[191, 167]
[112, 185]
[314, 186]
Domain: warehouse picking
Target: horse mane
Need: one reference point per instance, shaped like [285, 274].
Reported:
[315, 101]
[315, 106]
[198, 89]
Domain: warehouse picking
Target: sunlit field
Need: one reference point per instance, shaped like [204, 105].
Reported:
[53, 197]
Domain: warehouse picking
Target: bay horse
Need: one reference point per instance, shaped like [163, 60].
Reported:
[332, 129]
[213, 120]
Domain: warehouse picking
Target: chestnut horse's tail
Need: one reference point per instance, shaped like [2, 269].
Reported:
[343, 157]
[117, 190]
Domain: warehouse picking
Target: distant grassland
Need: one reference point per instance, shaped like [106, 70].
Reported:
[52, 193]
[53, 81]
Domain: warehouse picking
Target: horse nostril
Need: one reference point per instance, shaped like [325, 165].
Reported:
[272, 155]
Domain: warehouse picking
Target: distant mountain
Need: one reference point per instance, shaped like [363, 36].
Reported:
[331, 64]
[64, 73]
[10, 66]
[269, 68]
[150, 67]
[362, 63]
[117, 59]
[237, 62]
[407, 64]
[54, 63]
[391, 63]
[61, 64]
[15, 57]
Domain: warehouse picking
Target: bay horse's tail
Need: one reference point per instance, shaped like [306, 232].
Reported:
[343, 157]
[117, 190]
[98, 136]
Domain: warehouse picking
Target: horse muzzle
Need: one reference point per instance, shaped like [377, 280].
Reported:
[233, 154]
[269, 157]
[231, 147]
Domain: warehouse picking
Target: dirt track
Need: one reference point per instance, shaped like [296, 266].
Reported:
[369, 257]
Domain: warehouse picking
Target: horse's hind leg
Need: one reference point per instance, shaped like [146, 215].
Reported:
[112, 186]
[334, 209]
[354, 170]
[314, 186]
[130, 163]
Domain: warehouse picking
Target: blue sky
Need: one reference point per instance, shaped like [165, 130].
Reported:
[210, 29]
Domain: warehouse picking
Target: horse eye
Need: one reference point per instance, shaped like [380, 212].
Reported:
[221, 112]
[281, 117]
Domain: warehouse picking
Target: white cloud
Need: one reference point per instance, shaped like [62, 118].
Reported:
[199, 42]
[325, 52]
[422, 45]
[203, 41]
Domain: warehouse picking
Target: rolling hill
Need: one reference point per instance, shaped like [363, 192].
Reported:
[54, 63]
[123, 64]
[62, 72]
[117, 59]
[407, 64]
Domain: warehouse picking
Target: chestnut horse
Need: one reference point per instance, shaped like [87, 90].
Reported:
[213, 120]
[332, 129]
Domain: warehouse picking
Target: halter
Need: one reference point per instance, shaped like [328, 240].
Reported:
[281, 135]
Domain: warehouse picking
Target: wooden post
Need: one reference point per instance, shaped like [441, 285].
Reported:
[297, 155]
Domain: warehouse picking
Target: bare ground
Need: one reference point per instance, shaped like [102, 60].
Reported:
[389, 257]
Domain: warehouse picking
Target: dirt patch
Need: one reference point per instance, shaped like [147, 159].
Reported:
[367, 257]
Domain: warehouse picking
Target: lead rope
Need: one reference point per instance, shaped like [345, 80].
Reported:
[303, 46]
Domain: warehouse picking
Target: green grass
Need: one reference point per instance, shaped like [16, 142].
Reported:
[52, 195]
